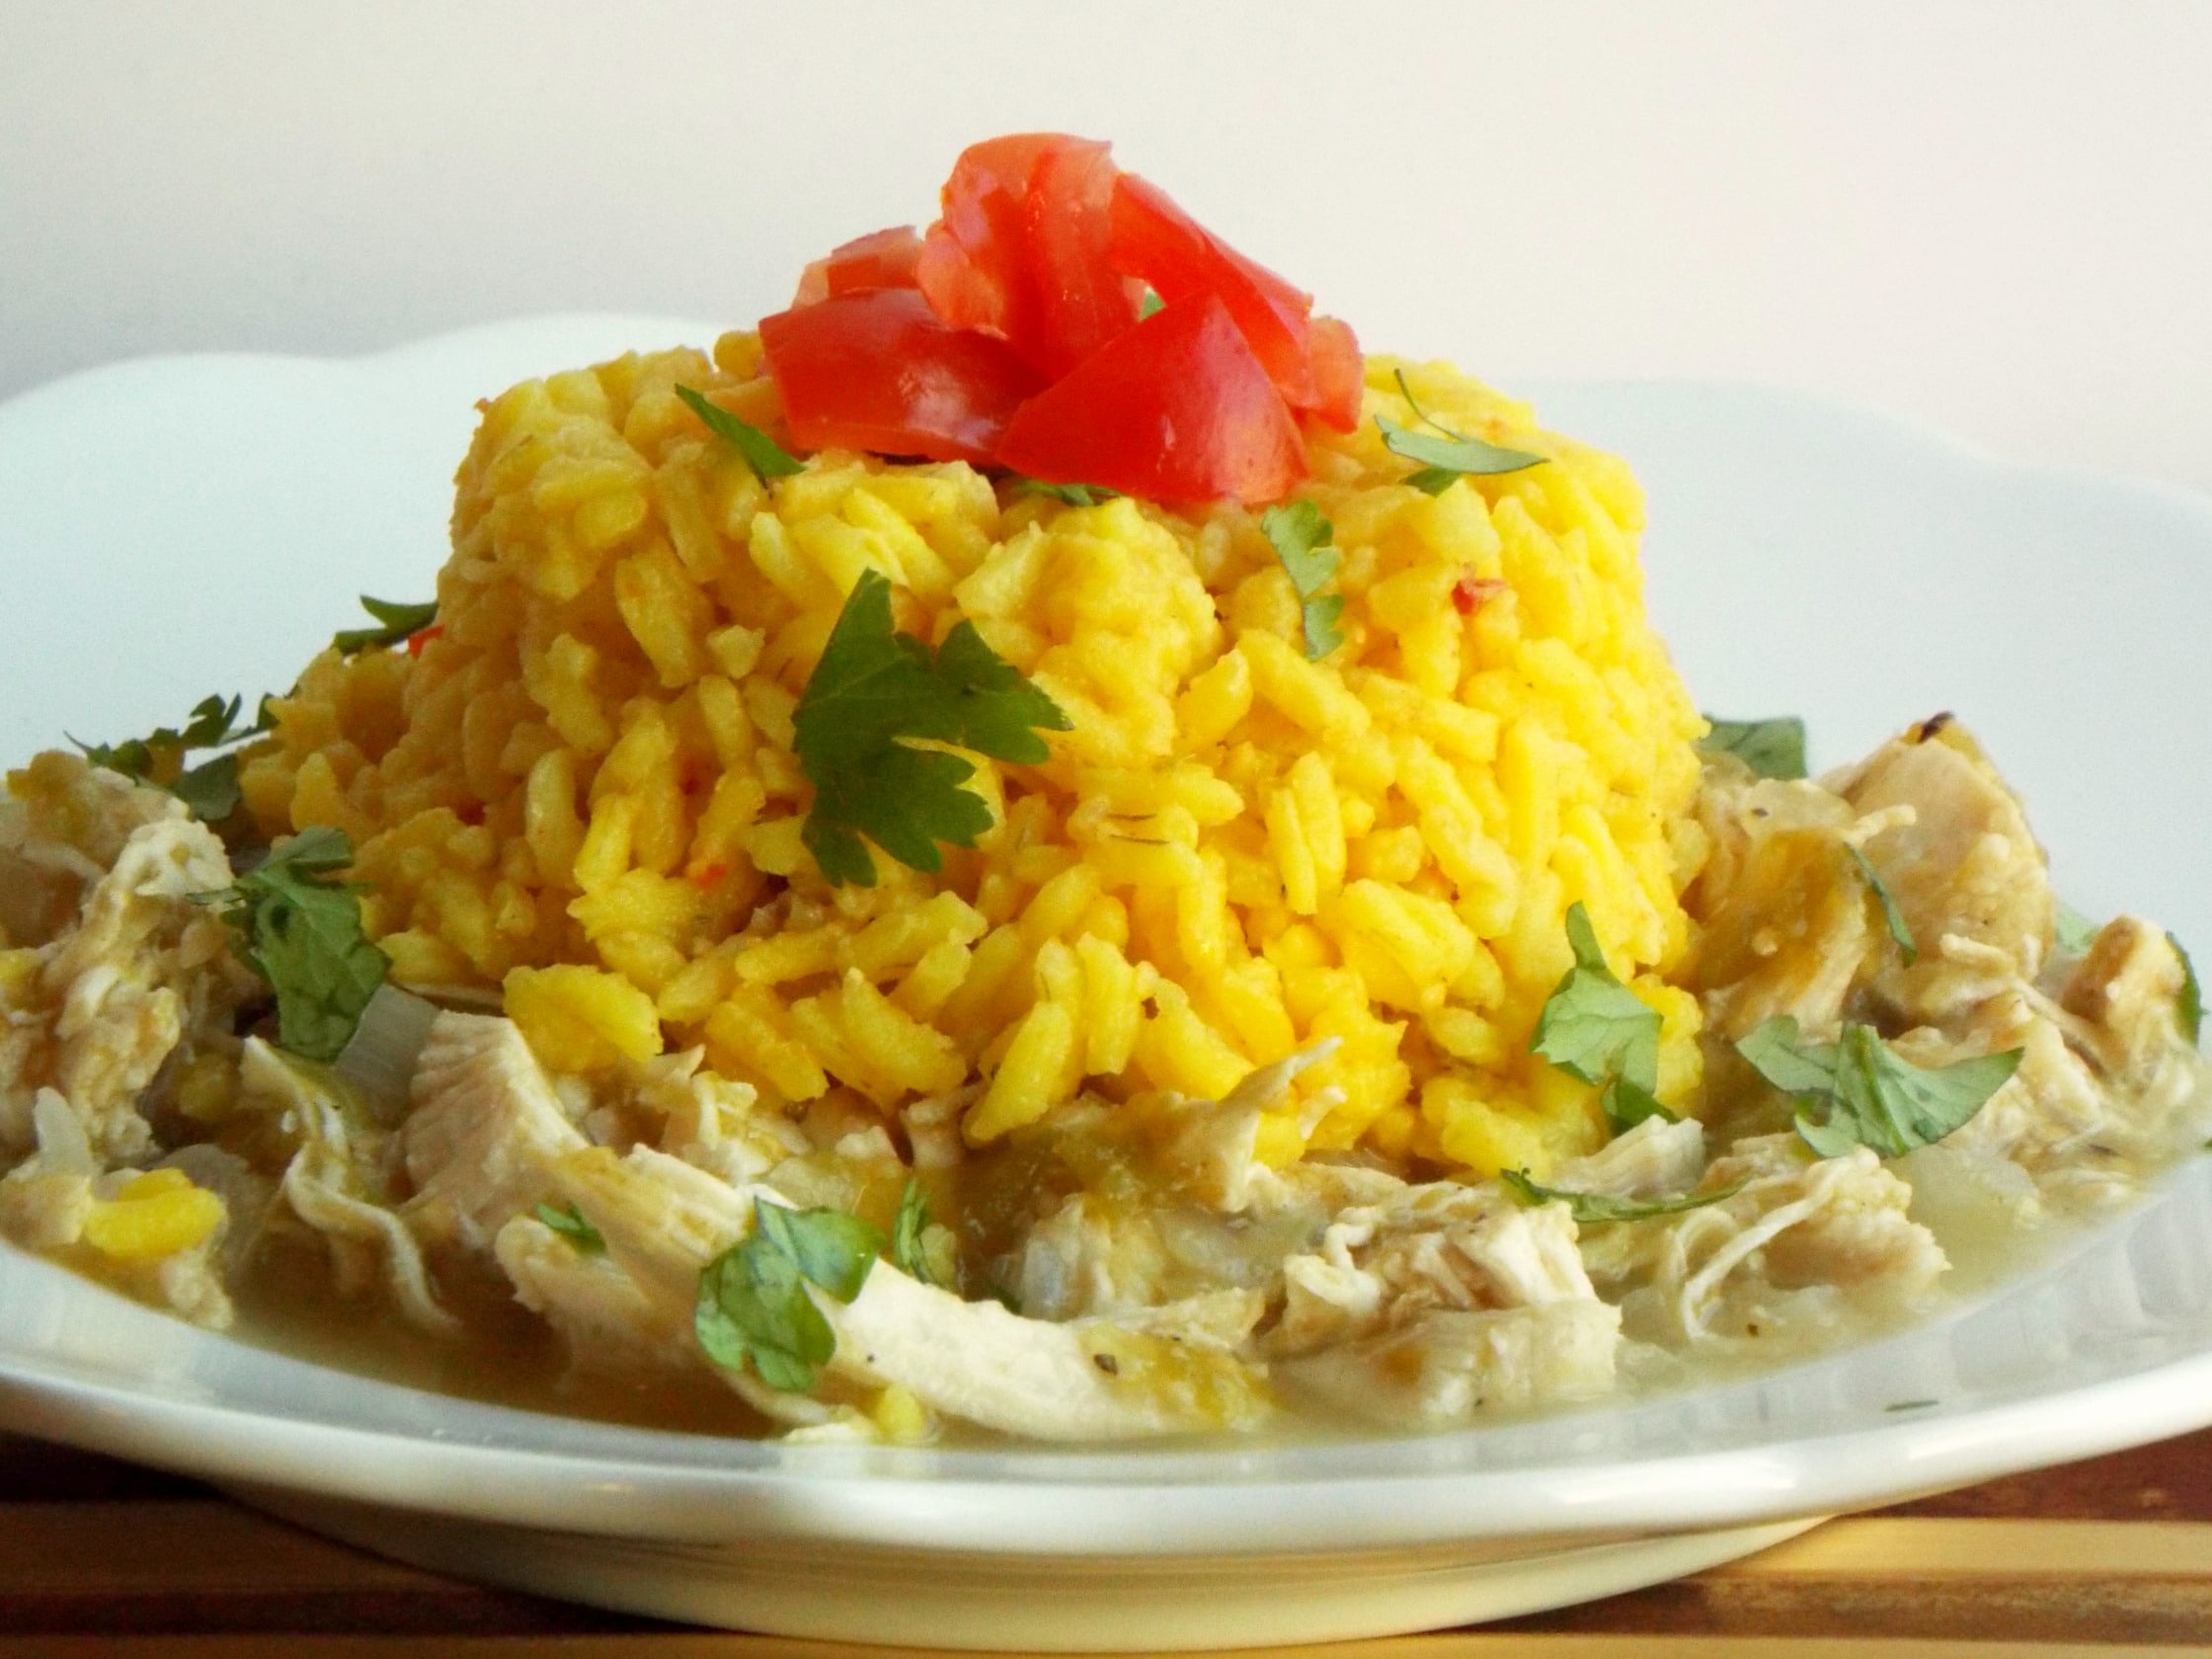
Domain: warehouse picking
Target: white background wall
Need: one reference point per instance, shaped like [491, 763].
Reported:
[1996, 218]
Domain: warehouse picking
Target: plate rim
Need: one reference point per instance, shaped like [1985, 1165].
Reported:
[1671, 1490]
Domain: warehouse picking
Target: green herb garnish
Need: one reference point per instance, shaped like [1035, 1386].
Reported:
[2188, 1007]
[1300, 537]
[1899, 930]
[1859, 1091]
[753, 1303]
[2076, 931]
[908, 1255]
[1771, 748]
[569, 1223]
[763, 454]
[1595, 1209]
[1073, 495]
[210, 789]
[1450, 456]
[872, 694]
[300, 929]
[396, 624]
[1597, 1029]
[1151, 305]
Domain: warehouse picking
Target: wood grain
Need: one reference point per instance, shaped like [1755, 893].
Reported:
[100, 1557]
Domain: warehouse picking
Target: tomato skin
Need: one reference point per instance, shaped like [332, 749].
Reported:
[1068, 228]
[1338, 378]
[974, 265]
[1176, 409]
[878, 370]
[1156, 240]
[883, 258]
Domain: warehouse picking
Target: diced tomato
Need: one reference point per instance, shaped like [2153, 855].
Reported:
[1472, 593]
[975, 264]
[880, 371]
[1338, 377]
[1081, 301]
[883, 258]
[1156, 240]
[1177, 409]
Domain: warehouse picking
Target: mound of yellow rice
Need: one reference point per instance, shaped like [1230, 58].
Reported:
[581, 790]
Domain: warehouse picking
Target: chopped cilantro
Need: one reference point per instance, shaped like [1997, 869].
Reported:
[753, 1303]
[763, 454]
[569, 1223]
[1867, 1094]
[1073, 495]
[1597, 1029]
[1300, 537]
[2076, 931]
[300, 929]
[396, 624]
[906, 1252]
[209, 789]
[873, 692]
[2188, 1007]
[1448, 458]
[1899, 930]
[1151, 305]
[1771, 748]
[1593, 1208]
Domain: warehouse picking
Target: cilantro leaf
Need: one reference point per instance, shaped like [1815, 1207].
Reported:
[1899, 930]
[763, 454]
[1593, 1209]
[1596, 1028]
[871, 694]
[752, 1306]
[833, 1249]
[1446, 460]
[1448, 457]
[1300, 537]
[300, 929]
[396, 624]
[1779, 1053]
[2076, 931]
[209, 789]
[569, 1223]
[908, 1255]
[2188, 1007]
[1073, 495]
[1771, 748]
[753, 1303]
[1859, 1091]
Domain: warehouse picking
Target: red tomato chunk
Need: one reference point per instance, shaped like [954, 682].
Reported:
[1010, 332]
[1176, 410]
[880, 371]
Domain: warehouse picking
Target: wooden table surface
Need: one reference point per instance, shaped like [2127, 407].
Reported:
[2108, 1557]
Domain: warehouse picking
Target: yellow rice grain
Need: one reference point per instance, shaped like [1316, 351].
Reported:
[583, 788]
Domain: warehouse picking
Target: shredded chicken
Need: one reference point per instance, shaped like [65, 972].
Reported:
[1440, 1301]
[1130, 1267]
[114, 969]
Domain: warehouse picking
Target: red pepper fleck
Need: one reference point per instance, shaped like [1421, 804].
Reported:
[1472, 593]
[416, 641]
[709, 875]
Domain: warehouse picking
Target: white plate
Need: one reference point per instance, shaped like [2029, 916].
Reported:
[183, 524]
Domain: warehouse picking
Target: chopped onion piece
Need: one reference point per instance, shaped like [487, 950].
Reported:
[379, 1059]
[63, 1147]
